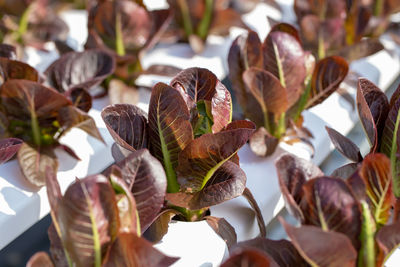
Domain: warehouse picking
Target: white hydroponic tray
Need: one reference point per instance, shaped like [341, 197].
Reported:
[21, 206]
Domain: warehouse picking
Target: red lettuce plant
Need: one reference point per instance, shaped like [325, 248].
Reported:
[352, 217]
[189, 130]
[343, 222]
[30, 22]
[126, 30]
[74, 74]
[380, 120]
[39, 116]
[339, 27]
[276, 80]
[195, 20]
[97, 222]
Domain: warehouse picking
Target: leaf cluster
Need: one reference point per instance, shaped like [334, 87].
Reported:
[193, 21]
[274, 81]
[188, 129]
[97, 222]
[39, 115]
[343, 222]
[340, 27]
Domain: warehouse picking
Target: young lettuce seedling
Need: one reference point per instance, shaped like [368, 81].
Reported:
[189, 130]
[276, 80]
[39, 116]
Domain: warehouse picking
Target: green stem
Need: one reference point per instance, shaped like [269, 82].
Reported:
[321, 47]
[281, 125]
[378, 8]
[187, 23]
[23, 23]
[119, 41]
[35, 129]
[367, 250]
[204, 25]
[266, 121]
[190, 215]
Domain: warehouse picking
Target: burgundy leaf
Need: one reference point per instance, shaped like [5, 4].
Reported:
[12, 69]
[8, 148]
[80, 70]
[388, 238]
[88, 219]
[245, 52]
[365, 113]
[285, 58]
[169, 129]
[80, 98]
[227, 182]
[8, 51]
[326, 78]
[127, 124]
[195, 84]
[34, 162]
[159, 227]
[267, 89]
[322, 248]
[130, 250]
[329, 203]
[281, 251]
[344, 145]
[146, 179]
[293, 173]
[204, 155]
[345, 171]
[57, 251]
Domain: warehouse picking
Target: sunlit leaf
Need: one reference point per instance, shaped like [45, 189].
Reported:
[326, 78]
[40, 259]
[169, 129]
[202, 157]
[34, 163]
[344, 145]
[88, 219]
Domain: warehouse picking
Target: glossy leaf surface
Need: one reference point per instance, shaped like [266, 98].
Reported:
[227, 182]
[327, 76]
[79, 69]
[204, 155]
[344, 145]
[88, 219]
[127, 124]
[169, 129]
[34, 162]
[13, 69]
[249, 257]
